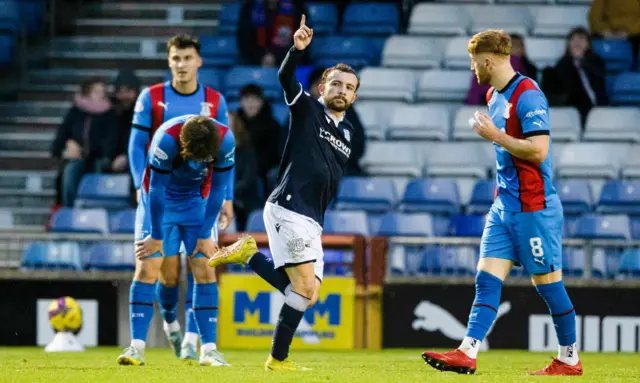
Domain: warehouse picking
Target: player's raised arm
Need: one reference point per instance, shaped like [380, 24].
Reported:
[140, 130]
[287, 73]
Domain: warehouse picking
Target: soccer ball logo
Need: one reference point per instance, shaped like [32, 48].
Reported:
[65, 315]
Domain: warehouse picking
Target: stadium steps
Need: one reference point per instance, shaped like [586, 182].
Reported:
[11, 198]
[26, 141]
[76, 76]
[34, 181]
[63, 92]
[152, 11]
[41, 109]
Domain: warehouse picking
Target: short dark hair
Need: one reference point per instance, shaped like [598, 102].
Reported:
[341, 68]
[199, 139]
[87, 85]
[251, 89]
[183, 41]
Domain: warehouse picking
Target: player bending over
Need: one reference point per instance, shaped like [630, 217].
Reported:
[157, 104]
[524, 226]
[183, 189]
[313, 163]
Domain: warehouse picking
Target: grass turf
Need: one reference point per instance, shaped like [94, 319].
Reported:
[21, 364]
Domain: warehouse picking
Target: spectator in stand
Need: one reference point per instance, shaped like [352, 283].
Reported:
[359, 140]
[578, 79]
[265, 30]
[617, 19]
[84, 139]
[520, 63]
[246, 192]
[266, 134]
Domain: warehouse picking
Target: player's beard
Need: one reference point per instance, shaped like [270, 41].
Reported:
[483, 77]
[333, 104]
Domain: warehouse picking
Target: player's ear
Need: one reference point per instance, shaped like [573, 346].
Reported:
[199, 61]
[321, 87]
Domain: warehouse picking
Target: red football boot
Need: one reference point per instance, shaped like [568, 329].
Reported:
[556, 367]
[454, 360]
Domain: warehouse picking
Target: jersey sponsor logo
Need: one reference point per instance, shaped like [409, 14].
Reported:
[336, 143]
[205, 109]
[139, 107]
[431, 317]
[163, 105]
[159, 153]
[537, 112]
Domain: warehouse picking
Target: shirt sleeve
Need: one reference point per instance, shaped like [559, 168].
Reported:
[142, 111]
[533, 113]
[137, 155]
[223, 112]
[287, 76]
[226, 158]
[162, 153]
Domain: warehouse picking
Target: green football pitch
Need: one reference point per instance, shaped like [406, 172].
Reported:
[19, 364]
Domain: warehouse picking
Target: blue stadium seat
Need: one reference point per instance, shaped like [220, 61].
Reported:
[74, 220]
[574, 262]
[9, 30]
[613, 226]
[366, 193]
[52, 255]
[346, 222]
[266, 78]
[626, 89]
[635, 227]
[280, 113]
[441, 224]
[219, 51]
[575, 195]
[482, 197]
[123, 222]
[32, 15]
[467, 225]
[448, 260]
[620, 197]
[617, 54]
[229, 17]
[630, 264]
[352, 50]
[212, 78]
[406, 225]
[110, 191]
[371, 19]
[111, 257]
[436, 195]
[323, 18]
[255, 222]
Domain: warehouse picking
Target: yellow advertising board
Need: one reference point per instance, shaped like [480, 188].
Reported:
[249, 310]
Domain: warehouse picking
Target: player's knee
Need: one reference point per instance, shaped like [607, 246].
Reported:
[169, 278]
[202, 273]
[305, 286]
[147, 270]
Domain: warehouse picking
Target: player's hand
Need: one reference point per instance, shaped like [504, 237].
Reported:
[205, 246]
[485, 127]
[226, 215]
[148, 246]
[302, 37]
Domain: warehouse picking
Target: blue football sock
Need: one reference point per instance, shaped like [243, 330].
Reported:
[485, 305]
[141, 297]
[263, 266]
[562, 311]
[189, 316]
[168, 301]
[205, 307]
[290, 316]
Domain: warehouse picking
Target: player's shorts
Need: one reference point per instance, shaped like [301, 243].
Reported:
[530, 239]
[294, 239]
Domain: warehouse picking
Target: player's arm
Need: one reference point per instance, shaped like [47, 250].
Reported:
[223, 117]
[139, 137]
[533, 112]
[287, 72]
[162, 153]
[221, 178]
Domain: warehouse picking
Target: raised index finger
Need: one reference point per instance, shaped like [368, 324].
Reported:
[302, 21]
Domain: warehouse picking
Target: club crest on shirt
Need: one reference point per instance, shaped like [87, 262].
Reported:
[139, 107]
[205, 109]
[347, 135]
[507, 109]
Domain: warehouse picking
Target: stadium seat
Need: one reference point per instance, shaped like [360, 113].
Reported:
[6, 219]
[511, 19]
[123, 222]
[626, 89]
[545, 52]
[630, 264]
[219, 51]
[580, 159]
[613, 124]
[356, 51]
[482, 197]
[74, 220]
[323, 18]
[630, 165]
[565, 123]
[617, 54]
[419, 122]
[255, 222]
[391, 159]
[557, 21]
[211, 77]
[390, 84]
[229, 17]
[447, 260]
[280, 113]
[576, 195]
[366, 193]
[573, 262]
[375, 116]
[346, 222]
[411, 52]
[438, 19]
[266, 78]
[441, 225]
[371, 19]
[453, 159]
[613, 226]
[111, 257]
[110, 191]
[32, 15]
[471, 225]
[443, 85]
[398, 262]
[456, 55]
[620, 197]
[635, 227]
[52, 255]
[406, 225]
[461, 128]
[436, 195]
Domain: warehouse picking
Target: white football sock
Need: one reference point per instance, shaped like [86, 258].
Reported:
[138, 344]
[470, 347]
[568, 354]
[170, 327]
[190, 338]
[207, 347]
